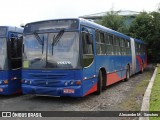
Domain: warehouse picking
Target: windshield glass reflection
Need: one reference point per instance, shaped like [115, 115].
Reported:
[34, 52]
[3, 54]
[57, 53]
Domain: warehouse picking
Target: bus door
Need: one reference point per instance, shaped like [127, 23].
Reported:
[15, 59]
[133, 56]
[89, 80]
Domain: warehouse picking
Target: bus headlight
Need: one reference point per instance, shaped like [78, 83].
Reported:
[25, 81]
[30, 82]
[66, 83]
[71, 82]
[5, 81]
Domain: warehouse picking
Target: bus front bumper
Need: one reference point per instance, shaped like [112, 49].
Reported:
[4, 90]
[8, 90]
[72, 91]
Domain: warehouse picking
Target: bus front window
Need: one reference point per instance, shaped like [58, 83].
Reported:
[34, 52]
[60, 50]
[3, 53]
[64, 53]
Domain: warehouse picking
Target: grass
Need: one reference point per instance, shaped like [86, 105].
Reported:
[155, 95]
[133, 103]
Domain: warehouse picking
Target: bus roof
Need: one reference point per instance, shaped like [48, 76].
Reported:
[103, 28]
[100, 27]
[139, 41]
[13, 29]
[94, 25]
[90, 24]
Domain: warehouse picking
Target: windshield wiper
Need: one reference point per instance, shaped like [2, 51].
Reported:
[57, 38]
[35, 60]
[40, 41]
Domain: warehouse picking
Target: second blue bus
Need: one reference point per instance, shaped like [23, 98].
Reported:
[10, 59]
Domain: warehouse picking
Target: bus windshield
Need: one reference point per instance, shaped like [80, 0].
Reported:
[3, 54]
[51, 50]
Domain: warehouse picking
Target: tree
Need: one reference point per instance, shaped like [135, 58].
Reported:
[141, 26]
[146, 26]
[155, 38]
[113, 21]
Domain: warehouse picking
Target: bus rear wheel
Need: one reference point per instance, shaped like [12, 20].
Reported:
[99, 84]
[127, 74]
[142, 69]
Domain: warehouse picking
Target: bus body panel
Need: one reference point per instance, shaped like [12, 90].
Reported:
[56, 81]
[14, 82]
[89, 79]
[3, 77]
[89, 73]
[141, 60]
[115, 67]
[52, 82]
[133, 56]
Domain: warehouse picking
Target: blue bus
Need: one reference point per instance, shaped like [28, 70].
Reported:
[10, 59]
[76, 57]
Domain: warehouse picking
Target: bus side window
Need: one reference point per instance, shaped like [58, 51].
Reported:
[87, 39]
[110, 45]
[16, 52]
[87, 43]
[100, 43]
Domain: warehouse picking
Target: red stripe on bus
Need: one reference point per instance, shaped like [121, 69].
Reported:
[93, 89]
[145, 64]
[112, 78]
[140, 62]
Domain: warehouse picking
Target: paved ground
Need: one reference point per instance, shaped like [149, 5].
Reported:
[118, 97]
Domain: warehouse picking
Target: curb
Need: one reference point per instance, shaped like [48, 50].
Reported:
[146, 98]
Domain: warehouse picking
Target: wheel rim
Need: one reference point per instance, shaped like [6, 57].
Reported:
[142, 68]
[128, 75]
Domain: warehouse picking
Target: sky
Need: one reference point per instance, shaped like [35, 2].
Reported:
[17, 12]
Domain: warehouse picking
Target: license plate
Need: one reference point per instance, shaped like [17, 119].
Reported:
[72, 91]
[1, 90]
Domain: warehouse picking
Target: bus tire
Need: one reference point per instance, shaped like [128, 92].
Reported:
[104, 87]
[99, 84]
[104, 81]
[127, 74]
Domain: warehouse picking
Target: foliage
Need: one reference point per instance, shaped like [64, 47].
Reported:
[146, 26]
[113, 21]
